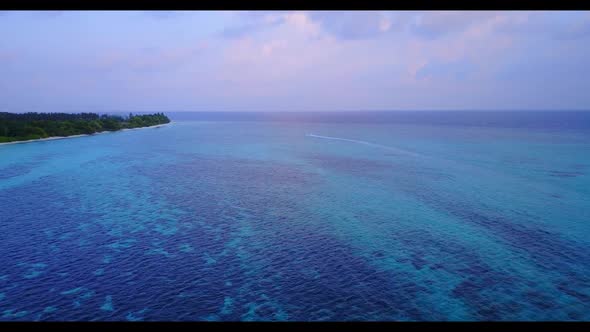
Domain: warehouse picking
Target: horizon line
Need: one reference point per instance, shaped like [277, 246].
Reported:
[310, 111]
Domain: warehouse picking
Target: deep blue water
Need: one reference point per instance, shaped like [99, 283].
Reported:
[302, 216]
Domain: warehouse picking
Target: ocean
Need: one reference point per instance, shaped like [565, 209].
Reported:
[340, 216]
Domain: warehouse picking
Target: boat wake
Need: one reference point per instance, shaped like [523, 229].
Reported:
[398, 150]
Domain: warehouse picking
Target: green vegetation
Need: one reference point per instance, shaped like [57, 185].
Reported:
[27, 126]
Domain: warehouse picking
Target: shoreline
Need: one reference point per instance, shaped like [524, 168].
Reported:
[53, 138]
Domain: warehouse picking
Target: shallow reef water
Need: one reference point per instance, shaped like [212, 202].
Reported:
[303, 219]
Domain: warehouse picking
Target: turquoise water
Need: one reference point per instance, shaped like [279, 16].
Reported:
[215, 219]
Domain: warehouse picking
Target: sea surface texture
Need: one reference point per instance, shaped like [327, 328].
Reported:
[304, 217]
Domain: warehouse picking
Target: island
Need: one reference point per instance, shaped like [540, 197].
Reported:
[16, 127]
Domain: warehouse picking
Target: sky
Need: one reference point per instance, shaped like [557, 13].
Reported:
[71, 61]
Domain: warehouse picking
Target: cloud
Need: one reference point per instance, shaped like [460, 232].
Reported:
[242, 30]
[310, 50]
[543, 25]
[340, 24]
[353, 25]
[283, 54]
[278, 60]
[433, 25]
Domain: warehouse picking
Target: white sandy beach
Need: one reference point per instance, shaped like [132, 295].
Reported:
[76, 136]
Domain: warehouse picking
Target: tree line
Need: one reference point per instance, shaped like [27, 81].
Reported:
[27, 126]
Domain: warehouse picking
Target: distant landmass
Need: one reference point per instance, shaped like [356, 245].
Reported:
[30, 126]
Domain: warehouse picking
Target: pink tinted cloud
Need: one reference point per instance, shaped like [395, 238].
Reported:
[293, 56]
[282, 54]
[479, 43]
[440, 23]
[300, 44]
